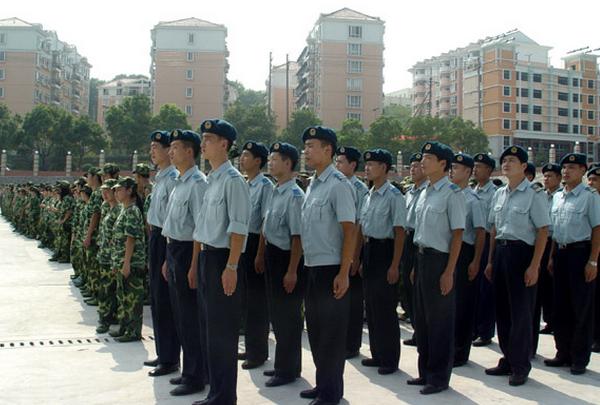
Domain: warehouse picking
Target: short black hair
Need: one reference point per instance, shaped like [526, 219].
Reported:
[333, 146]
[286, 157]
[195, 147]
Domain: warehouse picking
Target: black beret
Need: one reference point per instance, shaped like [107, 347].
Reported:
[219, 127]
[595, 171]
[378, 155]
[416, 157]
[352, 154]
[551, 167]
[319, 132]
[126, 181]
[286, 149]
[517, 151]
[185, 135]
[464, 159]
[578, 158]
[442, 151]
[486, 159]
[257, 149]
[530, 168]
[161, 137]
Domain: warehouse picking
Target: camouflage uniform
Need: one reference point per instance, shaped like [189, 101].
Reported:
[91, 252]
[63, 230]
[76, 238]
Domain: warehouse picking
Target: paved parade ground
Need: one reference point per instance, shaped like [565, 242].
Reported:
[50, 354]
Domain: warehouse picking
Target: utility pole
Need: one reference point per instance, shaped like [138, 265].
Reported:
[269, 89]
[287, 90]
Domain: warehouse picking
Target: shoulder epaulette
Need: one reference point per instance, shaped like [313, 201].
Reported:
[339, 176]
[537, 187]
[232, 173]
[591, 189]
[265, 180]
[296, 192]
[454, 187]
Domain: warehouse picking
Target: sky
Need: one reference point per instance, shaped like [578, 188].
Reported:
[115, 35]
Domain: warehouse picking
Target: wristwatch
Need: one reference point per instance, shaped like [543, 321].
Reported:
[593, 262]
[233, 267]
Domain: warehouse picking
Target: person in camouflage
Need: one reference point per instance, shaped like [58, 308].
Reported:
[76, 234]
[91, 218]
[110, 171]
[85, 193]
[107, 286]
[64, 213]
[144, 188]
[129, 262]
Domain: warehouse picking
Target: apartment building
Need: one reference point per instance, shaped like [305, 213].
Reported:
[189, 68]
[340, 71]
[507, 86]
[37, 67]
[283, 82]
[115, 91]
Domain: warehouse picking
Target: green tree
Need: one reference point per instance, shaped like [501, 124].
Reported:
[403, 113]
[170, 117]
[10, 126]
[252, 122]
[129, 123]
[299, 121]
[85, 138]
[352, 134]
[248, 97]
[385, 132]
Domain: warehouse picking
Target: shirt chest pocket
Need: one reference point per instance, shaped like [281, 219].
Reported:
[436, 212]
[319, 209]
[276, 217]
[179, 207]
[215, 207]
[574, 214]
[519, 215]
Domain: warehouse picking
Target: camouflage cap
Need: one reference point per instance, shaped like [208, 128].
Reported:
[108, 184]
[94, 171]
[142, 169]
[125, 182]
[111, 168]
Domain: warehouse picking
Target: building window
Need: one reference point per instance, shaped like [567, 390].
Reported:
[2, 38]
[354, 84]
[506, 74]
[506, 107]
[518, 107]
[1, 92]
[563, 96]
[119, 92]
[590, 130]
[563, 80]
[575, 113]
[524, 76]
[537, 126]
[537, 109]
[525, 108]
[590, 84]
[563, 128]
[590, 115]
[537, 77]
[105, 92]
[575, 97]
[355, 49]
[188, 110]
[189, 92]
[189, 74]
[2, 74]
[353, 116]
[563, 112]
[575, 82]
[525, 125]
[537, 94]
[354, 66]
[2, 56]
[190, 38]
[590, 99]
[506, 91]
[575, 129]
[506, 124]
[190, 56]
[355, 31]
[524, 92]
[353, 101]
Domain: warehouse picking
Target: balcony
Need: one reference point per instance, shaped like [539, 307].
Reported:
[445, 69]
[421, 77]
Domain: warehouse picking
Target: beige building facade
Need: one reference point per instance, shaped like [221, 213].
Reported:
[114, 92]
[283, 90]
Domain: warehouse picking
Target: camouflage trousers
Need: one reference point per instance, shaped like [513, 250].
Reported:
[130, 298]
[107, 295]
[62, 243]
[92, 269]
[76, 257]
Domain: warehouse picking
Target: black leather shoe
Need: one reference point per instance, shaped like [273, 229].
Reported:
[186, 389]
[596, 347]
[557, 362]
[479, 342]
[416, 381]
[498, 370]
[151, 363]
[386, 370]
[310, 394]
[249, 365]
[515, 380]
[370, 363]
[351, 355]
[578, 370]
[546, 330]
[432, 389]
[459, 363]
[277, 381]
[242, 356]
[163, 369]
[176, 381]
[269, 373]
[410, 342]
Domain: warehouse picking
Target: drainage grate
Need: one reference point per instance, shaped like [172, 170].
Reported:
[79, 341]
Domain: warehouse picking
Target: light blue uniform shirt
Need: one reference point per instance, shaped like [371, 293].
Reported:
[485, 194]
[185, 202]
[411, 202]
[361, 190]
[283, 216]
[383, 210]
[550, 197]
[575, 214]
[441, 209]
[475, 215]
[226, 207]
[164, 182]
[261, 189]
[329, 201]
[518, 214]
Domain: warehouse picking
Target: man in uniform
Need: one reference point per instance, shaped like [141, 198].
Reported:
[183, 208]
[576, 234]
[519, 214]
[347, 161]
[166, 340]
[593, 177]
[329, 240]
[222, 228]
[440, 221]
[256, 329]
[382, 223]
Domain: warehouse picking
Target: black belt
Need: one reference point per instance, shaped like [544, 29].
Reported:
[430, 251]
[508, 242]
[171, 240]
[212, 248]
[575, 245]
[156, 228]
[378, 241]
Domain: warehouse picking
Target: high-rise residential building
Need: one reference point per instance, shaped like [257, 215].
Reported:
[189, 68]
[401, 97]
[36, 67]
[283, 90]
[506, 85]
[340, 73]
[113, 93]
